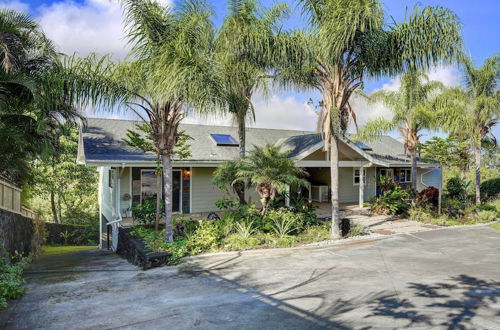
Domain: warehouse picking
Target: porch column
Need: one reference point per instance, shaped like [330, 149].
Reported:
[361, 186]
[116, 185]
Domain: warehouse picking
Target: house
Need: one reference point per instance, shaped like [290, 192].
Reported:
[127, 177]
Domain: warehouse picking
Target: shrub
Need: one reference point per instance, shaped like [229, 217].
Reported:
[392, 200]
[356, 230]
[245, 229]
[177, 248]
[456, 188]
[486, 216]
[453, 208]
[428, 196]
[490, 189]
[146, 212]
[11, 279]
[205, 238]
[238, 242]
[421, 214]
[284, 223]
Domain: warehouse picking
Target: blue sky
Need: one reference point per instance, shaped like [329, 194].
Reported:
[95, 25]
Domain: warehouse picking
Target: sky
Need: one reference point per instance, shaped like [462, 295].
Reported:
[85, 26]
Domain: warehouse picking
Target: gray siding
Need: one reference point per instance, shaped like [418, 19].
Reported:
[348, 192]
[204, 194]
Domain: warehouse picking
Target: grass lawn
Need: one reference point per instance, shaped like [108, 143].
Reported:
[495, 225]
[51, 250]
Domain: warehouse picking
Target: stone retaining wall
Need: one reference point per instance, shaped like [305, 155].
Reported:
[17, 233]
[132, 248]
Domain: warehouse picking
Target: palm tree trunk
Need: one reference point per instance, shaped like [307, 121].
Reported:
[477, 156]
[413, 169]
[241, 135]
[242, 142]
[334, 176]
[59, 207]
[167, 191]
[158, 200]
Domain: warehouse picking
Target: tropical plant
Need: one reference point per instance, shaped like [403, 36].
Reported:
[349, 41]
[167, 74]
[245, 46]
[271, 172]
[225, 177]
[36, 95]
[392, 199]
[284, 223]
[412, 113]
[428, 197]
[472, 111]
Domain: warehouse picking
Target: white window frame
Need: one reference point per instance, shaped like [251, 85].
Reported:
[406, 175]
[354, 176]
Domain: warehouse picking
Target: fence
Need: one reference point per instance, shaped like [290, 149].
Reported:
[10, 200]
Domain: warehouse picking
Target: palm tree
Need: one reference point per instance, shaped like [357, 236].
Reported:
[244, 47]
[225, 177]
[348, 41]
[167, 74]
[271, 172]
[472, 111]
[412, 113]
[36, 98]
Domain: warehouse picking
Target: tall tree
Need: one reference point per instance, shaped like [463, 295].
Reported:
[36, 94]
[472, 111]
[412, 113]
[245, 47]
[348, 41]
[167, 74]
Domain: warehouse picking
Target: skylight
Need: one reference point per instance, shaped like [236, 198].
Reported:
[363, 146]
[224, 140]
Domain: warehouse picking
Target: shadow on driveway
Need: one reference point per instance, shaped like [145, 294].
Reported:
[430, 280]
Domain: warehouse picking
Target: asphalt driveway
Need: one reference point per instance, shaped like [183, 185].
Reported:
[446, 278]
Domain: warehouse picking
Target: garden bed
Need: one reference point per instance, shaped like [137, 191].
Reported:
[242, 228]
[135, 251]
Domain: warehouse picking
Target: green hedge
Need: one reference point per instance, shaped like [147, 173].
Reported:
[490, 188]
[62, 234]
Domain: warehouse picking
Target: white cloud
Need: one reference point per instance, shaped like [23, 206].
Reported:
[90, 26]
[15, 5]
[276, 112]
[82, 26]
[283, 112]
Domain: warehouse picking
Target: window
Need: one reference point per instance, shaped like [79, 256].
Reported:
[356, 177]
[148, 185]
[404, 175]
[224, 140]
[387, 173]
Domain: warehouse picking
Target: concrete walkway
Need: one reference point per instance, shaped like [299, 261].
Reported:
[439, 279]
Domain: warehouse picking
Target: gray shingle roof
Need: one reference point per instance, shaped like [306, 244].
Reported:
[103, 141]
